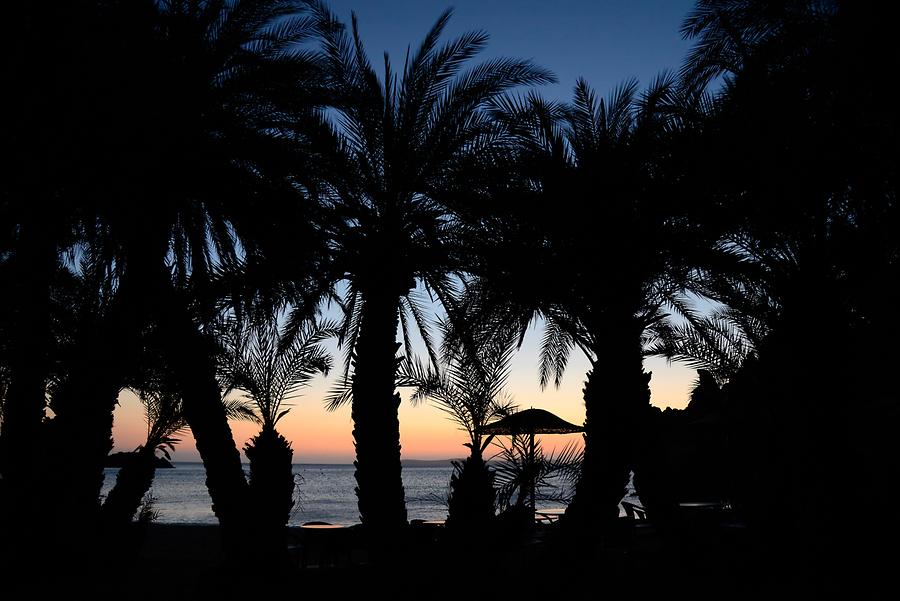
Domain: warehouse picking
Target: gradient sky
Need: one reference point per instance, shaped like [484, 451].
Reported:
[605, 42]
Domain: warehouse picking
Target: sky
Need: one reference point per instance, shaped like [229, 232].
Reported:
[605, 42]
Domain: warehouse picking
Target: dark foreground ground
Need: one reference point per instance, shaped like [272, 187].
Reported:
[720, 562]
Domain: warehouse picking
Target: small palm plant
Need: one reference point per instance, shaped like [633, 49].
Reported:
[554, 475]
[470, 389]
[270, 365]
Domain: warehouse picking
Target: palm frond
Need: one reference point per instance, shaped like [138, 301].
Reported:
[414, 303]
[470, 387]
[554, 476]
[241, 409]
[348, 332]
[340, 394]
[715, 343]
[271, 363]
[556, 346]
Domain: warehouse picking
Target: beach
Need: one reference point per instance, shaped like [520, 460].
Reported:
[186, 558]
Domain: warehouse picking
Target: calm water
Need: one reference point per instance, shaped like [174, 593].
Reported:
[326, 493]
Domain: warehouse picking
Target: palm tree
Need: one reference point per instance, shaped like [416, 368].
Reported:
[721, 341]
[80, 299]
[165, 420]
[734, 35]
[220, 91]
[46, 172]
[820, 229]
[470, 389]
[413, 148]
[601, 220]
[270, 366]
[521, 473]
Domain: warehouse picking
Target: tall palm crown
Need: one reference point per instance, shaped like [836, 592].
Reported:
[410, 149]
[220, 87]
[613, 244]
[814, 235]
[732, 35]
[227, 84]
[613, 255]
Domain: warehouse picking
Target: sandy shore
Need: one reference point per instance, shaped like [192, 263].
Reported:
[189, 543]
[184, 562]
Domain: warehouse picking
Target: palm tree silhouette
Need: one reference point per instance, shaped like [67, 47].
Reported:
[164, 416]
[223, 93]
[410, 147]
[470, 389]
[819, 230]
[732, 35]
[81, 299]
[613, 256]
[270, 367]
[47, 174]
[165, 421]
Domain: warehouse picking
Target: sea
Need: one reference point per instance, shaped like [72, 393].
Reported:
[326, 493]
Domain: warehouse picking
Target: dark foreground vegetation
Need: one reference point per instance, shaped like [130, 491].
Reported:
[185, 184]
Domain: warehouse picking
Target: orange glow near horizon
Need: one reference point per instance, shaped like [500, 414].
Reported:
[319, 436]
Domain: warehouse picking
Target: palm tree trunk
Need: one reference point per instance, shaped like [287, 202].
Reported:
[132, 483]
[616, 394]
[472, 495]
[28, 278]
[272, 491]
[84, 402]
[376, 428]
[29, 273]
[192, 359]
[70, 486]
[23, 409]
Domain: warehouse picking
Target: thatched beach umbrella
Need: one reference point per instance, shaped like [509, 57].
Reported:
[531, 422]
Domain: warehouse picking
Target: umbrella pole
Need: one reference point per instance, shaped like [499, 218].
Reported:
[533, 471]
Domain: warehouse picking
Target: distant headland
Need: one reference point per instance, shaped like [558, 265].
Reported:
[119, 460]
[428, 462]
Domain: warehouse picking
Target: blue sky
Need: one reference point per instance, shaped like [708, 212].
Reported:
[603, 41]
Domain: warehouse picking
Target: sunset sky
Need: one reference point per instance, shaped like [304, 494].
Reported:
[605, 42]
